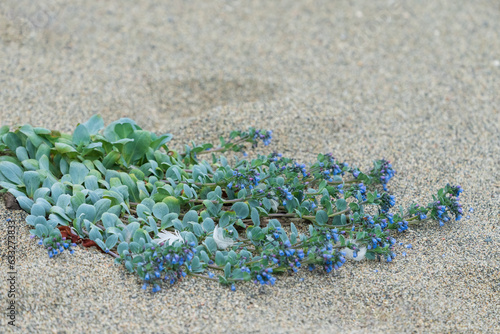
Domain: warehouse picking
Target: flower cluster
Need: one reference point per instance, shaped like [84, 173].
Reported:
[56, 245]
[331, 167]
[249, 178]
[263, 276]
[299, 168]
[383, 171]
[265, 136]
[455, 207]
[386, 202]
[327, 256]
[164, 263]
[284, 194]
[358, 187]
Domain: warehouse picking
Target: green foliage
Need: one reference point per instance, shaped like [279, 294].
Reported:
[143, 202]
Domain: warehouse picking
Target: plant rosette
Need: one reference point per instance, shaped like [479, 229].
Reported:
[165, 214]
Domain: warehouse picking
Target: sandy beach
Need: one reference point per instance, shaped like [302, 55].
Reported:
[415, 82]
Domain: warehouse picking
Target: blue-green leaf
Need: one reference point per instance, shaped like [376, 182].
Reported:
[109, 220]
[100, 243]
[160, 210]
[12, 141]
[208, 225]
[133, 151]
[204, 256]
[190, 216]
[95, 234]
[101, 207]
[197, 229]
[210, 244]
[321, 217]
[255, 217]
[25, 203]
[88, 212]
[30, 133]
[123, 246]
[94, 124]
[78, 172]
[38, 210]
[90, 182]
[41, 230]
[220, 259]
[64, 148]
[11, 172]
[241, 209]
[30, 164]
[341, 204]
[227, 270]
[32, 182]
[195, 265]
[160, 141]
[134, 247]
[81, 135]
[111, 241]
[42, 150]
[21, 153]
[40, 193]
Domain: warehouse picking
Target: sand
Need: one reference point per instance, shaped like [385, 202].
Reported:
[417, 83]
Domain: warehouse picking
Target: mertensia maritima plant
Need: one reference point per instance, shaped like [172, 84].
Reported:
[166, 214]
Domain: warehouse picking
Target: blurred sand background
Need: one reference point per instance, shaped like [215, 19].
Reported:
[416, 82]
